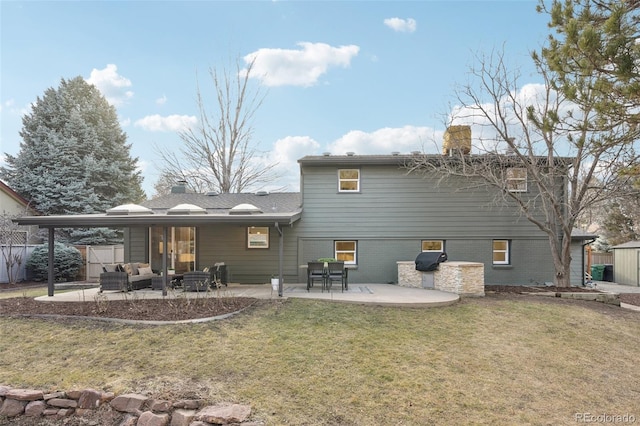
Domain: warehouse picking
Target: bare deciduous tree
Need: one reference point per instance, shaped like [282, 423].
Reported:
[218, 154]
[12, 236]
[572, 154]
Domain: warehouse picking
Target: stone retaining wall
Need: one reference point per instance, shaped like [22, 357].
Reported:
[463, 278]
[134, 409]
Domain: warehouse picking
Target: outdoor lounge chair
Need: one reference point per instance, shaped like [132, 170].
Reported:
[336, 272]
[196, 281]
[316, 272]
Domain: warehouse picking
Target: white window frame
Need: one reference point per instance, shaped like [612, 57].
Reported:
[516, 183]
[432, 241]
[506, 251]
[257, 237]
[341, 180]
[336, 252]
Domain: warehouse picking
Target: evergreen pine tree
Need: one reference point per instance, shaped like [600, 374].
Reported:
[74, 158]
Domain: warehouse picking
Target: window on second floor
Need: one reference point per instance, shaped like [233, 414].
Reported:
[501, 254]
[432, 245]
[347, 251]
[516, 179]
[348, 180]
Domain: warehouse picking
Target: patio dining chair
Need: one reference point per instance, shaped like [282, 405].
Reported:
[336, 272]
[196, 281]
[316, 272]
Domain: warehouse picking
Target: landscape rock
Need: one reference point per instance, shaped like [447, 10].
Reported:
[34, 408]
[149, 418]
[63, 403]
[24, 394]
[89, 398]
[12, 407]
[160, 405]
[182, 417]
[53, 395]
[74, 394]
[224, 414]
[4, 390]
[129, 420]
[129, 403]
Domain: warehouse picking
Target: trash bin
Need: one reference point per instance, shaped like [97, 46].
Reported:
[597, 272]
[608, 273]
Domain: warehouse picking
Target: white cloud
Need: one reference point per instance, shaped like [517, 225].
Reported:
[112, 85]
[401, 25]
[303, 67]
[286, 153]
[171, 123]
[162, 100]
[384, 141]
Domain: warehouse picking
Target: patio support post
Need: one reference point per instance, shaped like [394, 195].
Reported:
[280, 254]
[165, 236]
[50, 278]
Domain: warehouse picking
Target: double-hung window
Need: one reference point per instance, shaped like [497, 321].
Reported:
[516, 179]
[349, 180]
[501, 255]
[346, 251]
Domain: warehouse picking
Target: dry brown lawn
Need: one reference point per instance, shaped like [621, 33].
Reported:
[502, 359]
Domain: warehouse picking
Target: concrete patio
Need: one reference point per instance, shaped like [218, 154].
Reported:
[375, 294]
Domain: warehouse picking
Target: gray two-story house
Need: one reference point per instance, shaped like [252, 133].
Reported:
[364, 209]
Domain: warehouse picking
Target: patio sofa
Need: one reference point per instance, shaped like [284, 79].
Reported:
[126, 277]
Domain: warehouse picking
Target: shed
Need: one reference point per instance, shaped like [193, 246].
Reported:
[626, 263]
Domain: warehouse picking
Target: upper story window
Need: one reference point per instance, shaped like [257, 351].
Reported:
[517, 179]
[348, 180]
[433, 245]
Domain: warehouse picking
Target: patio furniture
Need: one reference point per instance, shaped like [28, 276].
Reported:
[336, 272]
[122, 281]
[196, 281]
[316, 272]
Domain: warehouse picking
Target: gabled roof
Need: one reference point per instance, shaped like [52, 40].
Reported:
[628, 244]
[13, 194]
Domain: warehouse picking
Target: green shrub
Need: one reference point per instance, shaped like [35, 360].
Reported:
[67, 262]
[326, 259]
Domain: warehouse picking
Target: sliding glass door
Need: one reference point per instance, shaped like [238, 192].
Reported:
[181, 249]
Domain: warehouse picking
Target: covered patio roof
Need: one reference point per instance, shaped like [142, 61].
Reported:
[183, 209]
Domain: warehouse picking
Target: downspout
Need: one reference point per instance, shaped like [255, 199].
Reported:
[50, 278]
[280, 254]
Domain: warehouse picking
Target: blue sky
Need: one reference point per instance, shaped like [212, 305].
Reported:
[361, 76]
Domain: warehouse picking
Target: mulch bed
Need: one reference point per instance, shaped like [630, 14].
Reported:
[147, 310]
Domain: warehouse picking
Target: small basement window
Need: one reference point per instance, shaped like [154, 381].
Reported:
[501, 255]
[346, 251]
[433, 245]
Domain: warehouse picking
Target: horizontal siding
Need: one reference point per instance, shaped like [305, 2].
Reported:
[227, 244]
[394, 204]
[136, 245]
[531, 262]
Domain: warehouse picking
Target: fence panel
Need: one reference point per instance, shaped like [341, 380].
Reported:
[97, 256]
[601, 258]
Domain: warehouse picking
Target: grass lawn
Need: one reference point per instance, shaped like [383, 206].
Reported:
[483, 361]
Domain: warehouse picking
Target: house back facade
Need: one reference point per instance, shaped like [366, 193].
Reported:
[364, 209]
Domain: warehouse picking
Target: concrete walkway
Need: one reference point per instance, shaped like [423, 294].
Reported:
[375, 294]
[615, 288]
